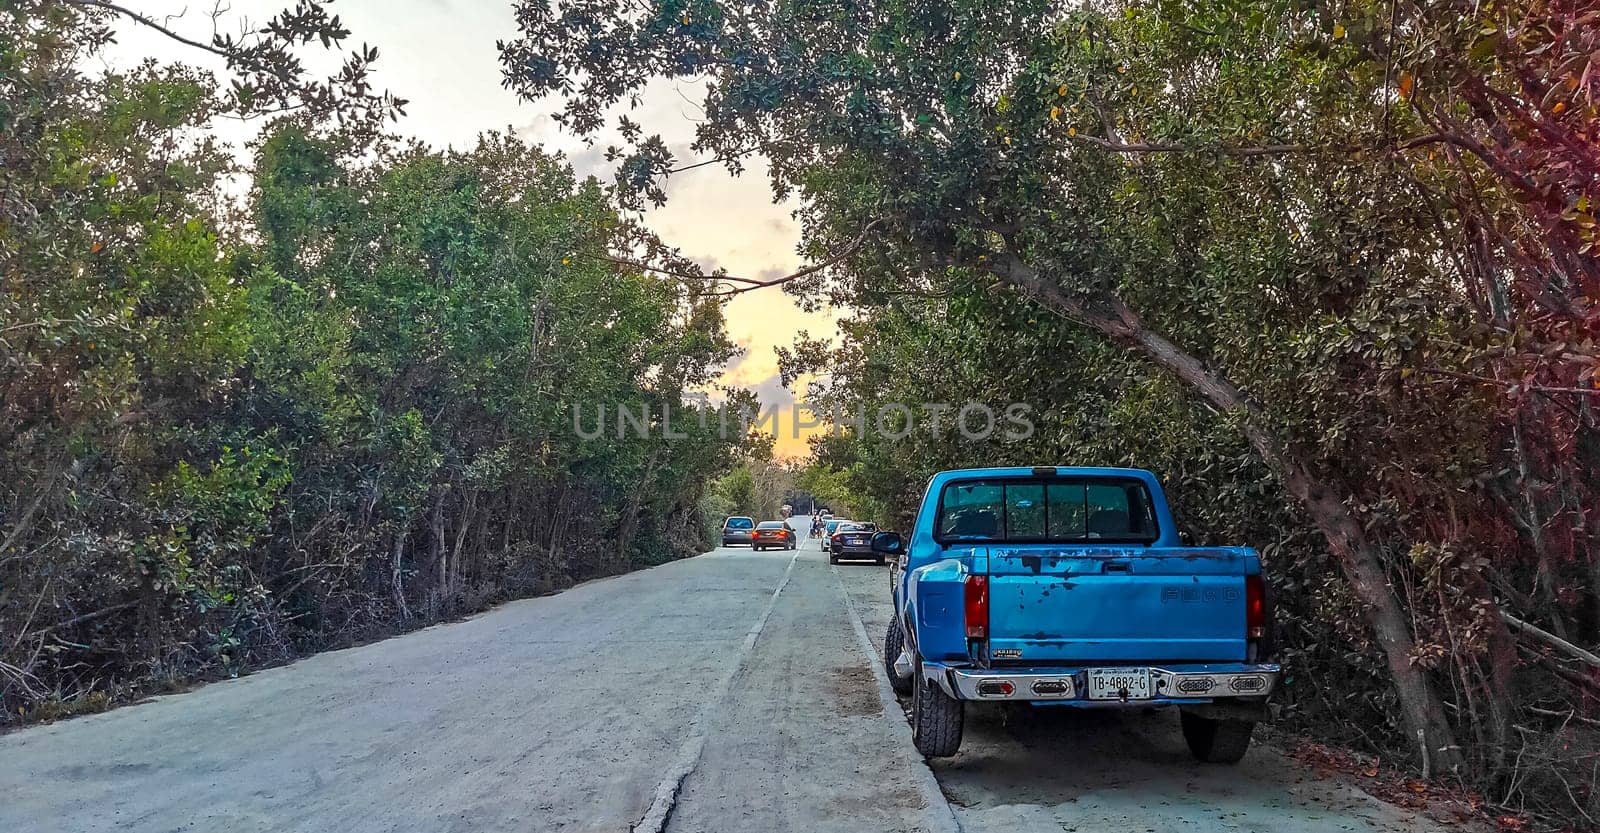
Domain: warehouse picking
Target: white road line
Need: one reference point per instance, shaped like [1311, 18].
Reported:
[666, 796]
[941, 817]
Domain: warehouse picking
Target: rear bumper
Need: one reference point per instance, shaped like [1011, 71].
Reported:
[857, 550]
[1172, 684]
[735, 538]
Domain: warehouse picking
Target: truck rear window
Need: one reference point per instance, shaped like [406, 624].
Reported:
[1048, 510]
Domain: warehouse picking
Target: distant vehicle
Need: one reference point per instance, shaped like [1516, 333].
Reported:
[772, 535]
[1097, 604]
[852, 539]
[826, 513]
[787, 510]
[736, 530]
[829, 525]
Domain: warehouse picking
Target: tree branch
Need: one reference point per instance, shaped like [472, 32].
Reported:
[1272, 150]
[678, 273]
[714, 160]
[1467, 377]
[87, 617]
[1562, 645]
[751, 284]
[141, 19]
[1149, 147]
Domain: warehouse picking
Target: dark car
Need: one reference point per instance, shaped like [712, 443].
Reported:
[772, 535]
[736, 530]
[852, 539]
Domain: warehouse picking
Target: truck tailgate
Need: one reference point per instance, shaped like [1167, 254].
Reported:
[1117, 604]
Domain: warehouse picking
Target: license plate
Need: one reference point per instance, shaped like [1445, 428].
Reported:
[1119, 684]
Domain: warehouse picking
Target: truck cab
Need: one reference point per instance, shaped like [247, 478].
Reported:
[1069, 587]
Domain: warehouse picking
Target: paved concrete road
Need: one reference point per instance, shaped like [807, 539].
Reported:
[730, 692]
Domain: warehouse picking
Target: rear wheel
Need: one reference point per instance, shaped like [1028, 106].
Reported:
[894, 642]
[1216, 741]
[936, 718]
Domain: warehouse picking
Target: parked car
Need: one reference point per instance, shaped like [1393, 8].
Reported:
[852, 539]
[737, 530]
[829, 526]
[1069, 586]
[772, 534]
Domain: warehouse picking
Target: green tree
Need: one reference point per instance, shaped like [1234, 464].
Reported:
[232, 434]
[1227, 191]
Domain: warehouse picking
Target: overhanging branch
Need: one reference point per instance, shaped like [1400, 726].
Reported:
[752, 284]
[146, 21]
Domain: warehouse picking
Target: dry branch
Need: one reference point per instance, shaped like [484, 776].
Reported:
[1551, 640]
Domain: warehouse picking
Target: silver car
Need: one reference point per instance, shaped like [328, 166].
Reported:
[736, 530]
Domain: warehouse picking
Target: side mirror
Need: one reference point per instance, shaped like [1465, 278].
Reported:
[888, 543]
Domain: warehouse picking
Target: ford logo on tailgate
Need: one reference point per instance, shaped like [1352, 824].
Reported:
[1189, 593]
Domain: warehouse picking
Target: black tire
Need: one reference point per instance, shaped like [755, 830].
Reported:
[833, 559]
[893, 643]
[879, 561]
[1216, 741]
[936, 718]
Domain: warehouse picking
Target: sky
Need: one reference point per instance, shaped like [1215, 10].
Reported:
[440, 55]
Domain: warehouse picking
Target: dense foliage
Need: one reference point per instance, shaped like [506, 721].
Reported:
[1329, 267]
[234, 433]
[755, 488]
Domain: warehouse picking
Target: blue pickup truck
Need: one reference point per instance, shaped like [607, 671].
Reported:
[1070, 587]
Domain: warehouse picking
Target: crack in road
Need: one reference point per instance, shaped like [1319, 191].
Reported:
[666, 793]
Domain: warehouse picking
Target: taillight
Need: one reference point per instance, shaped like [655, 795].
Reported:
[977, 606]
[1255, 607]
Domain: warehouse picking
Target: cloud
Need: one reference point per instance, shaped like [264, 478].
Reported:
[730, 370]
[773, 394]
[533, 131]
[777, 401]
[590, 161]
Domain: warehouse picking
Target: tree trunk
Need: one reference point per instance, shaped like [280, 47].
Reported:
[630, 514]
[1421, 709]
[1528, 488]
[436, 550]
[469, 505]
[396, 576]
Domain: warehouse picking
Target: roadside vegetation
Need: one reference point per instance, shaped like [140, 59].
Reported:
[756, 487]
[1330, 268]
[241, 423]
